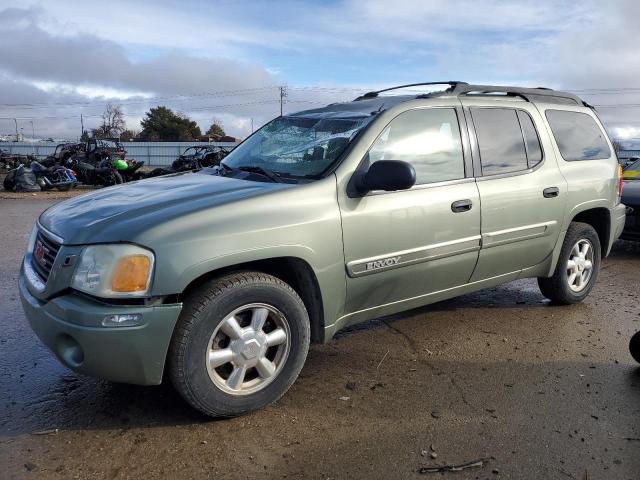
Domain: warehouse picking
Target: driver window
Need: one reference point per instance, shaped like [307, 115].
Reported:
[428, 139]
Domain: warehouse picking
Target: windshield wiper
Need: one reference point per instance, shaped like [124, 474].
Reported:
[273, 176]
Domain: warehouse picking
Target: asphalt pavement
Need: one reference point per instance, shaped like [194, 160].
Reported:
[500, 381]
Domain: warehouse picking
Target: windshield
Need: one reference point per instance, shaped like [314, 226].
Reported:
[297, 146]
[109, 144]
[190, 151]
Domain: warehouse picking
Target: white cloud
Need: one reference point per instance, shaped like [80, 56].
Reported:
[130, 50]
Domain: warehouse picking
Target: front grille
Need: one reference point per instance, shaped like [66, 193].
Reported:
[44, 254]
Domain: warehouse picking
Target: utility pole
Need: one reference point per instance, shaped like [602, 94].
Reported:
[252, 124]
[283, 95]
[81, 126]
[33, 130]
[17, 137]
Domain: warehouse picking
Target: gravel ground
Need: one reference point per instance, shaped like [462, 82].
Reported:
[537, 391]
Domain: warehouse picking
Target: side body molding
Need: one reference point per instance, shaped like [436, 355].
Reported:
[368, 266]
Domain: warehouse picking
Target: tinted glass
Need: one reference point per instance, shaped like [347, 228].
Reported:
[531, 140]
[500, 140]
[578, 136]
[429, 139]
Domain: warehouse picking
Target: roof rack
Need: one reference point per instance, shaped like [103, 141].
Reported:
[540, 94]
[459, 89]
[452, 85]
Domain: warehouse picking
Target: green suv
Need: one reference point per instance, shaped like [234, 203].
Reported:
[219, 280]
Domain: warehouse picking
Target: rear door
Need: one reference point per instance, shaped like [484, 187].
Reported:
[522, 191]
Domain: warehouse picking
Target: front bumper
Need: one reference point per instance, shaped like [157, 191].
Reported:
[71, 327]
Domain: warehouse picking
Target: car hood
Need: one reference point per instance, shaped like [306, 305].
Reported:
[120, 213]
[631, 192]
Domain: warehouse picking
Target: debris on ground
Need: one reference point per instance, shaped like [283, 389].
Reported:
[345, 399]
[454, 468]
[46, 432]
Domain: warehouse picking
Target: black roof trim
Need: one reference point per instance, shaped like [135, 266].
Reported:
[458, 89]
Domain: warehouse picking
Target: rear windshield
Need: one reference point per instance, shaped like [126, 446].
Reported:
[578, 136]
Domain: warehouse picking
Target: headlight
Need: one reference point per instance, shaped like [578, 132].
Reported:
[117, 270]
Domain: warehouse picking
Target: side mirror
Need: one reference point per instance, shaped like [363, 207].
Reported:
[388, 175]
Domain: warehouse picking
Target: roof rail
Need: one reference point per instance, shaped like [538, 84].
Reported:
[539, 94]
[458, 89]
[452, 85]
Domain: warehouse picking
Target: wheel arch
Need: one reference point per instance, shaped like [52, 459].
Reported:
[294, 271]
[600, 219]
[595, 213]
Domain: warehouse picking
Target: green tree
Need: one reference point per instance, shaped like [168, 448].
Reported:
[84, 137]
[161, 124]
[216, 128]
[128, 135]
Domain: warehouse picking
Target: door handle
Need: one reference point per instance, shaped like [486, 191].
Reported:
[461, 206]
[551, 192]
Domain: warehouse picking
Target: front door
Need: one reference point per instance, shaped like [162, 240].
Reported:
[402, 245]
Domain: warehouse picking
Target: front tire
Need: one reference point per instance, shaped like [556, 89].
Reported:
[240, 343]
[577, 268]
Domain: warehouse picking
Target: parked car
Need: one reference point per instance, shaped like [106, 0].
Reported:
[631, 198]
[219, 280]
[632, 170]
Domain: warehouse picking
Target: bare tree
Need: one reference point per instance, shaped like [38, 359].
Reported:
[113, 123]
[216, 128]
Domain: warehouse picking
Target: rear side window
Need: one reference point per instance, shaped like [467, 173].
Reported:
[531, 140]
[500, 140]
[429, 139]
[578, 136]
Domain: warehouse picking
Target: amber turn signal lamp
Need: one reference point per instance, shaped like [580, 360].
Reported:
[131, 274]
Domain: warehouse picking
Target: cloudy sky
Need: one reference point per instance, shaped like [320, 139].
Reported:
[226, 59]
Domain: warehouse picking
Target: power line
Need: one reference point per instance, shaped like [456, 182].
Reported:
[180, 97]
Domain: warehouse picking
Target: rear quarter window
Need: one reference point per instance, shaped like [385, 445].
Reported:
[578, 136]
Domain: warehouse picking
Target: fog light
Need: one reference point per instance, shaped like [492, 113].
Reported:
[122, 320]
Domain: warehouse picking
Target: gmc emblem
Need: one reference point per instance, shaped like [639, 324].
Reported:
[39, 252]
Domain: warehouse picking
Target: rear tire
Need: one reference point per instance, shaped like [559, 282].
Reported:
[577, 268]
[240, 343]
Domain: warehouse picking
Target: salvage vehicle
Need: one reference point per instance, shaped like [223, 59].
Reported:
[9, 161]
[61, 153]
[219, 280]
[128, 169]
[38, 177]
[631, 199]
[193, 159]
[103, 174]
